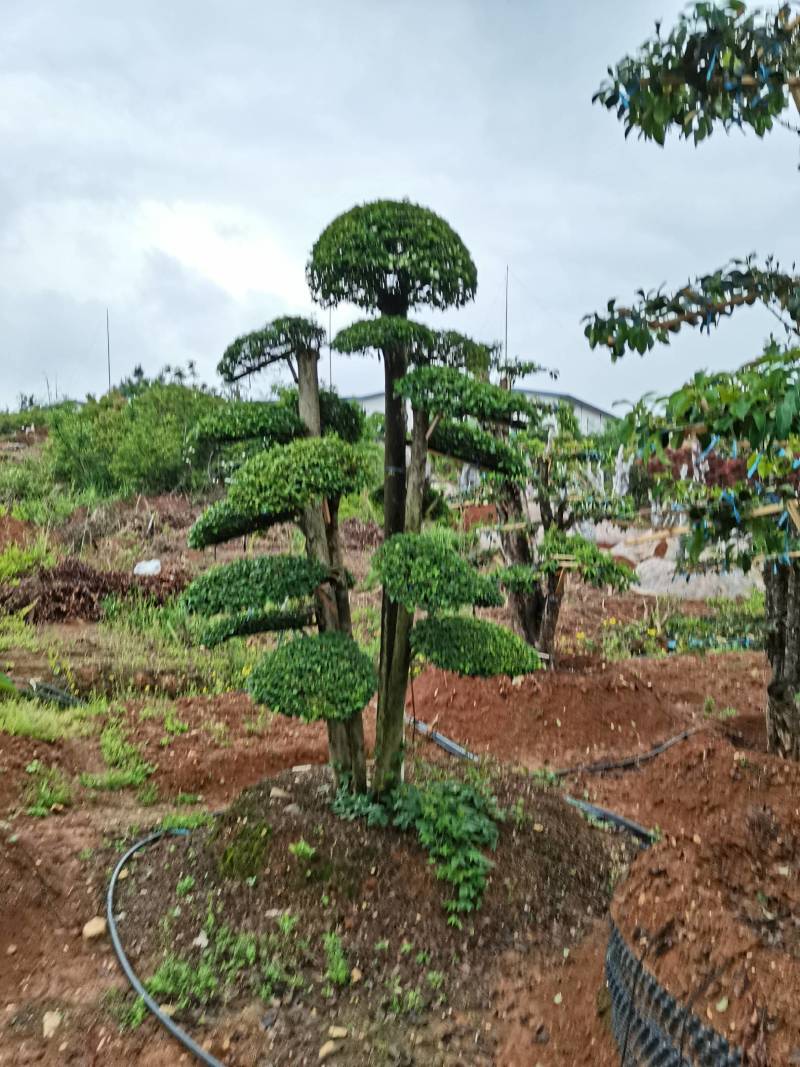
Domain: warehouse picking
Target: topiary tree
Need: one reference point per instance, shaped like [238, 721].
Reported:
[722, 66]
[389, 257]
[299, 476]
[534, 474]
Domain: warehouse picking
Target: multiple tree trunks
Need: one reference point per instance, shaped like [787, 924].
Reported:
[395, 655]
[320, 526]
[534, 614]
[782, 585]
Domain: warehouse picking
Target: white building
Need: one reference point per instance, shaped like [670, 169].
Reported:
[591, 419]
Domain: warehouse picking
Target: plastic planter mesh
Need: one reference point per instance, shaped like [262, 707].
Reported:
[652, 1028]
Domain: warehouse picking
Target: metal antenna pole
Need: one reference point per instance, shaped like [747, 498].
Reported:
[108, 351]
[505, 347]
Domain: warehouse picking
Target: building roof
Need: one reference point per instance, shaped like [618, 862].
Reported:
[542, 394]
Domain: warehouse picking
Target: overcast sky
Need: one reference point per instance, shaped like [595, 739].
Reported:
[174, 162]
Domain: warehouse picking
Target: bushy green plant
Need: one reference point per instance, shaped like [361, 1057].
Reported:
[473, 647]
[223, 521]
[16, 560]
[322, 676]
[124, 446]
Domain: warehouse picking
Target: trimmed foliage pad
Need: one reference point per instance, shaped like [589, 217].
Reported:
[324, 676]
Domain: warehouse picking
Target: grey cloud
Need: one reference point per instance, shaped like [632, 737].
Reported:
[277, 117]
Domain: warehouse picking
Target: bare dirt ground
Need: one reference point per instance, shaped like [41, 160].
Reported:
[724, 809]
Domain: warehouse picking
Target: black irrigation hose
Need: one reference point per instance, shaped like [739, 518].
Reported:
[177, 1032]
[627, 762]
[449, 746]
[454, 749]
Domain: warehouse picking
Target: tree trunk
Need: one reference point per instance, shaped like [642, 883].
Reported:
[782, 585]
[415, 490]
[345, 739]
[354, 727]
[395, 625]
[534, 614]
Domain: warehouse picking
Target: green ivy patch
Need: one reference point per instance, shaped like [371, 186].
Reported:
[473, 647]
[251, 621]
[322, 676]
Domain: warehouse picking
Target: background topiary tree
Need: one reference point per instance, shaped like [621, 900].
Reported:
[389, 257]
[298, 475]
[534, 468]
[722, 66]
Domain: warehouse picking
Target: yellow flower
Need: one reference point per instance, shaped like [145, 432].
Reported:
[580, 635]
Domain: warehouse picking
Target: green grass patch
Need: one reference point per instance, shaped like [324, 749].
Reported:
[17, 560]
[47, 790]
[126, 766]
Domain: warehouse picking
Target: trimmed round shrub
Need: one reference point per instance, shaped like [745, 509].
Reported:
[446, 391]
[254, 583]
[468, 442]
[322, 676]
[242, 420]
[284, 480]
[391, 255]
[279, 340]
[245, 623]
[224, 521]
[473, 647]
[419, 571]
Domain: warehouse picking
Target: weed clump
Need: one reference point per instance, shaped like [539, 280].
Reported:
[244, 856]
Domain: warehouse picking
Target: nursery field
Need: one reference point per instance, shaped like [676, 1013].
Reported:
[321, 938]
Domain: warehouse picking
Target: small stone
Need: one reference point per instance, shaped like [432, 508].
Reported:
[330, 1048]
[722, 1005]
[123, 874]
[301, 768]
[276, 793]
[11, 950]
[201, 941]
[557, 998]
[94, 928]
[337, 1032]
[292, 809]
[167, 1009]
[696, 838]
[356, 975]
[50, 1023]
[538, 828]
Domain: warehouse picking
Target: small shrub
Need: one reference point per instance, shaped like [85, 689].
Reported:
[302, 851]
[185, 886]
[338, 971]
[16, 561]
